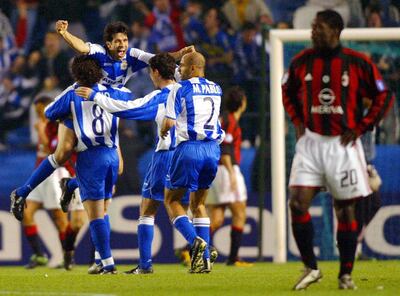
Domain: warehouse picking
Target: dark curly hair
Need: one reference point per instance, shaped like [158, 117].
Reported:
[332, 18]
[234, 98]
[86, 70]
[114, 28]
[165, 64]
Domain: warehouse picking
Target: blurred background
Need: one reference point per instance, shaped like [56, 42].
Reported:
[34, 61]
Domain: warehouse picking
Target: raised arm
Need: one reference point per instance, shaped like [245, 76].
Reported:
[74, 42]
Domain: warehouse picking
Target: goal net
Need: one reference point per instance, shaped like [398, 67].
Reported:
[284, 44]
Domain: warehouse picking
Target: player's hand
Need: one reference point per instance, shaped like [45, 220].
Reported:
[233, 182]
[84, 92]
[187, 49]
[61, 27]
[349, 136]
[164, 134]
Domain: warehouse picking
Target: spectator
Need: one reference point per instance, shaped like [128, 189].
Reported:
[52, 63]
[214, 44]
[164, 21]
[240, 11]
[304, 15]
[24, 17]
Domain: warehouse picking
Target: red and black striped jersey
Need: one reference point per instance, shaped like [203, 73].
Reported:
[325, 91]
[233, 137]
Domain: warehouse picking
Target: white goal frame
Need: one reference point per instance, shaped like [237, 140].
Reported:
[277, 38]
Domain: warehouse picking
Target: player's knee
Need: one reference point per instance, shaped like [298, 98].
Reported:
[296, 206]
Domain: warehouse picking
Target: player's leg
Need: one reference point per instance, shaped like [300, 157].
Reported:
[97, 171]
[238, 210]
[148, 210]
[32, 235]
[78, 218]
[303, 232]
[217, 217]
[61, 221]
[63, 151]
[346, 240]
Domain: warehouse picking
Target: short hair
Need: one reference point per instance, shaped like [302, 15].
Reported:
[86, 70]
[248, 26]
[114, 28]
[43, 99]
[234, 98]
[165, 64]
[332, 18]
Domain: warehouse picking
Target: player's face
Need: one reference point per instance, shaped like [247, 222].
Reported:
[184, 69]
[322, 35]
[118, 46]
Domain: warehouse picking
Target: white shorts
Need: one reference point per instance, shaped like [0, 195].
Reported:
[76, 202]
[321, 161]
[220, 190]
[48, 193]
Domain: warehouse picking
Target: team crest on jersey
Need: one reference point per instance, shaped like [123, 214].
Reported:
[345, 79]
[124, 65]
[380, 85]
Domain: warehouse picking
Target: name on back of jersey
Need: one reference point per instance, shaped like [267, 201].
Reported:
[206, 89]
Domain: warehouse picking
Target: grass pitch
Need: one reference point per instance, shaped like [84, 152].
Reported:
[372, 278]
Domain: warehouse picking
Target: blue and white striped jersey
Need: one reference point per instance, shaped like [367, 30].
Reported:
[195, 105]
[150, 107]
[92, 125]
[116, 72]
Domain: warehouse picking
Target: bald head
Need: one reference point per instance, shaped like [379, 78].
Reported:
[192, 65]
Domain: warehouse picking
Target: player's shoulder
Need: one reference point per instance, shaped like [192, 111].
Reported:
[95, 48]
[66, 92]
[303, 55]
[356, 54]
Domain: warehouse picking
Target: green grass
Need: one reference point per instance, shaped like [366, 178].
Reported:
[372, 278]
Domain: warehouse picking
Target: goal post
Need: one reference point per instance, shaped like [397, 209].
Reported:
[277, 117]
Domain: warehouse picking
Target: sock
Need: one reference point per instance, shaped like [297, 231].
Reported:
[183, 225]
[62, 235]
[236, 240]
[101, 239]
[145, 239]
[72, 184]
[97, 258]
[31, 233]
[45, 169]
[303, 233]
[347, 244]
[107, 220]
[202, 227]
[70, 239]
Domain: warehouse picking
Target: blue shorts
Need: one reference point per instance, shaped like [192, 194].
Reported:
[97, 172]
[154, 182]
[194, 165]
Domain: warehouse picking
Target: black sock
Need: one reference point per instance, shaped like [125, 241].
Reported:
[31, 233]
[70, 239]
[236, 241]
[347, 244]
[303, 233]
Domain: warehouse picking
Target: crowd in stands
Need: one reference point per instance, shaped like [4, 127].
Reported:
[34, 60]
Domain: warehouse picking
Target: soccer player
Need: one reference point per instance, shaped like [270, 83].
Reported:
[322, 94]
[47, 195]
[228, 188]
[97, 162]
[150, 107]
[193, 107]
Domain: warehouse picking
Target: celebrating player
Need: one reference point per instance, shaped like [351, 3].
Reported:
[193, 107]
[323, 93]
